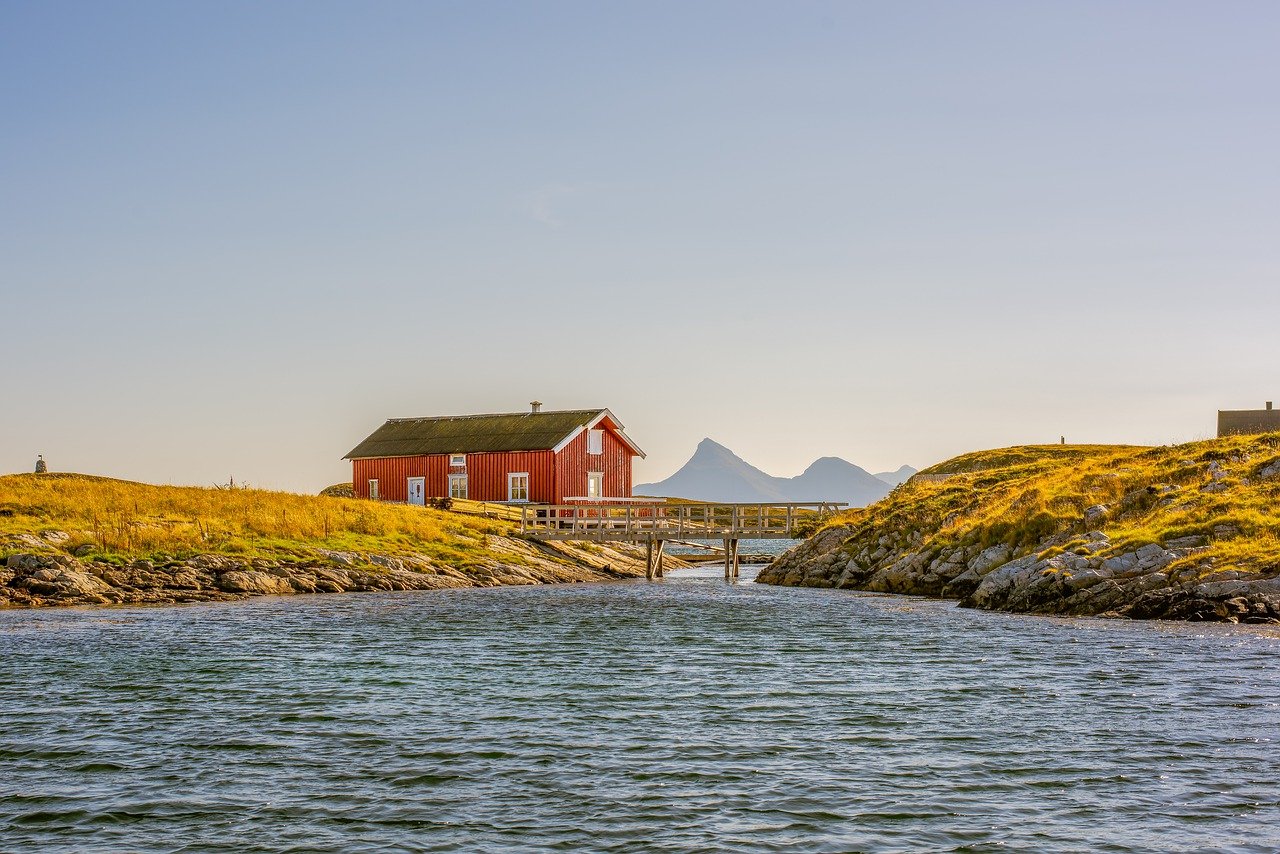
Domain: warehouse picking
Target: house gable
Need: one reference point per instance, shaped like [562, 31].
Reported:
[574, 463]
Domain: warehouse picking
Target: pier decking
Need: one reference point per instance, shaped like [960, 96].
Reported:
[658, 522]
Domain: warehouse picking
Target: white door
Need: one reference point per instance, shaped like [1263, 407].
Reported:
[418, 490]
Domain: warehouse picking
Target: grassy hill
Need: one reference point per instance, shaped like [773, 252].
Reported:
[69, 539]
[113, 520]
[1225, 490]
[1203, 511]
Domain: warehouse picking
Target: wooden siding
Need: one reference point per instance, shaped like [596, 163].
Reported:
[486, 475]
[393, 473]
[573, 462]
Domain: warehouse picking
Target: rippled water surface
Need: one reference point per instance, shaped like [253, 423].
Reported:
[675, 716]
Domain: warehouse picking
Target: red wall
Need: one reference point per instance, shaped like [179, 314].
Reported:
[392, 474]
[573, 462]
[486, 475]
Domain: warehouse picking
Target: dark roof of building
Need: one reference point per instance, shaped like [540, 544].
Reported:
[474, 434]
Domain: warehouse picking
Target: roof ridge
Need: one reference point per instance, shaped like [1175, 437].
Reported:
[494, 415]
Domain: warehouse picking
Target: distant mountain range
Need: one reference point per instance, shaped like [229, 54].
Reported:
[715, 473]
[893, 478]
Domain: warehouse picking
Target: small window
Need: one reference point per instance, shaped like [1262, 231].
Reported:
[373, 489]
[595, 484]
[595, 441]
[458, 461]
[518, 486]
[458, 486]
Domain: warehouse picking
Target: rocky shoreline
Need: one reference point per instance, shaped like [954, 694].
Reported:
[44, 576]
[1139, 583]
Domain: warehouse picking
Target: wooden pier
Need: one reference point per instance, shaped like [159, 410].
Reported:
[656, 523]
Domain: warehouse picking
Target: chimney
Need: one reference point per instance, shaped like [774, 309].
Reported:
[536, 405]
[1268, 404]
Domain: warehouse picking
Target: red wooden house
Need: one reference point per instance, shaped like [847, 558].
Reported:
[539, 457]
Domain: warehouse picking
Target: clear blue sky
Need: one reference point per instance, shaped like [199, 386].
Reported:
[234, 237]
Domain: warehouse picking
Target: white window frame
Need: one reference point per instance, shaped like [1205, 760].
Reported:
[598, 478]
[595, 441]
[373, 488]
[511, 476]
[457, 461]
[455, 478]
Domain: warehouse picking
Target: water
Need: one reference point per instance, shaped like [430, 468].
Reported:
[746, 547]
[677, 716]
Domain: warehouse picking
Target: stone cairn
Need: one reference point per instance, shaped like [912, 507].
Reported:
[41, 465]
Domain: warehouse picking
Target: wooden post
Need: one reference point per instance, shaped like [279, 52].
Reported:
[728, 560]
[660, 571]
[648, 560]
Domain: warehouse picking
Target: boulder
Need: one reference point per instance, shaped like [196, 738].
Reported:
[253, 581]
[1095, 514]
[989, 558]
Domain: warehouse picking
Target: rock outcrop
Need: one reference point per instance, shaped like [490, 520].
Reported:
[1146, 533]
[48, 577]
[1136, 583]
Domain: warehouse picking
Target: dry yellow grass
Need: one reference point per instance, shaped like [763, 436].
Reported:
[1024, 494]
[115, 519]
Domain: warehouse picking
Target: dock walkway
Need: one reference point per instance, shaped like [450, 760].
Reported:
[655, 523]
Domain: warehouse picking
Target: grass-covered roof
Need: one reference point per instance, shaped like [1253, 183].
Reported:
[472, 434]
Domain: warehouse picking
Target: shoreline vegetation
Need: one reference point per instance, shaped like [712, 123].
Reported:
[69, 539]
[1184, 532]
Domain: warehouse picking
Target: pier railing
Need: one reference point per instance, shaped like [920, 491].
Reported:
[639, 521]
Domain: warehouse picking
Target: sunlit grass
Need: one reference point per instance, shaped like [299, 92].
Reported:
[113, 519]
[1020, 496]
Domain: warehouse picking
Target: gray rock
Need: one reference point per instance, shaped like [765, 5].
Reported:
[341, 558]
[1095, 514]
[1121, 563]
[989, 558]
[999, 583]
[252, 581]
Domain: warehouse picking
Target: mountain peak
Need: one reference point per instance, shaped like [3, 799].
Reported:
[830, 464]
[715, 473]
[710, 449]
[893, 478]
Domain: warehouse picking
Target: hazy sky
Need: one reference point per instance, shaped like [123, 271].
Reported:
[235, 237]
